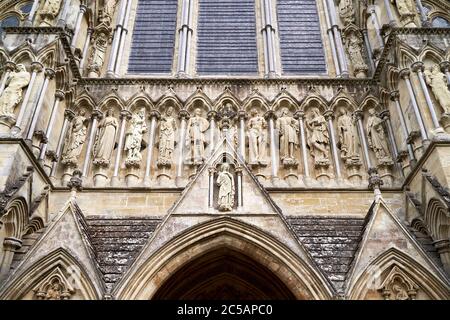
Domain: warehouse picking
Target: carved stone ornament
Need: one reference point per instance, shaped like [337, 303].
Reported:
[318, 138]
[288, 130]
[106, 139]
[257, 139]
[134, 135]
[376, 138]
[54, 287]
[75, 139]
[225, 181]
[167, 129]
[438, 84]
[197, 126]
[49, 12]
[398, 286]
[13, 93]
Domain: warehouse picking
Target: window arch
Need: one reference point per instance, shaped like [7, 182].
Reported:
[11, 21]
[440, 22]
[26, 9]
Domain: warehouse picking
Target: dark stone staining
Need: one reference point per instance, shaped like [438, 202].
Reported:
[301, 42]
[227, 37]
[117, 243]
[153, 44]
[332, 243]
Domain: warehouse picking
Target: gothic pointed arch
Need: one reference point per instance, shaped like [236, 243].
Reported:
[227, 95]
[199, 96]
[343, 99]
[313, 99]
[112, 99]
[140, 99]
[437, 218]
[284, 97]
[169, 98]
[256, 98]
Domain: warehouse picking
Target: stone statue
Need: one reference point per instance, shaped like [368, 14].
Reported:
[354, 48]
[133, 141]
[167, 129]
[377, 138]
[225, 181]
[75, 139]
[437, 81]
[106, 139]
[288, 129]
[257, 139]
[49, 11]
[318, 138]
[197, 126]
[346, 12]
[13, 93]
[348, 137]
[54, 291]
[107, 12]
[407, 12]
[399, 292]
[97, 56]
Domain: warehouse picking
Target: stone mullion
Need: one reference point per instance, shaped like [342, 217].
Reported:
[86, 48]
[392, 20]
[269, 37]
[123, 38]
[301, 121]
[332, 43]
[242, 134]
[273, 145]
[154, 116]
[423, 15]
[185, 36]
[76, 32]
[29, 21]
[116, 39]
[62, 17]
[183, 115]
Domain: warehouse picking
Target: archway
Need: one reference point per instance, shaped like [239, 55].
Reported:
[224, 274]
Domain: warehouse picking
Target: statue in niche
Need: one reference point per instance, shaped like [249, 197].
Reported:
[288, 129]
[225, 181]
[348, 137]
[106, 139]
[407, 12]
[229, 130]
[133, 141]
[399, 292]
[346, 12]
[167, 129]
[257, 139]
[49, 11]
[318, 138]
[377, 138]
[107, 12]
[197, 126]
[75, 139]
[437, 81]
[13, 93]
[354, 48]
[54, 291]
[97, 56]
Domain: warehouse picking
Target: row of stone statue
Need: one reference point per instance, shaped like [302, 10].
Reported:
[287, 126]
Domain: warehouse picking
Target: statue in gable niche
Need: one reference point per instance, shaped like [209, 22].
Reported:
[106, 139]
[288, 129]
[97, 57]
[257, 139]
[318, 138]
[197, 126]
[167, 128]
[437, 81]
[49, 12]
[354, 48]
[225, 181]
[75, 139]
[346, 11]
[348, 137]
[133, 140]
[13, 93]
[407, 12]
[377, 138]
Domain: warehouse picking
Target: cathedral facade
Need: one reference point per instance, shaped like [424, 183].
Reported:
[224, 149]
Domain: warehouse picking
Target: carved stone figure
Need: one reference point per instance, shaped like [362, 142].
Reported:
[106, 139]
[407, 12]
[75, 139]
[318, 138]
[13, 93]
[225, 181]
[400, 292]
[133, 141]
[377, 138]
[98, 51]
[107, 12]
[49, 11]
[54, 291]
[348, 137]
[257, 139]
[288, 129]
[437, 81]
[346, 11]
[197, 126]
[167, 129]
[354, 48]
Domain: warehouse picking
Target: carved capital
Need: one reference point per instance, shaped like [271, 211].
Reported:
[375, 181]
[418, 66]
[212, 115]
[242, 114]
[154, 114]
[12, 244]
[270, 115]
[395, 95]
[97, 114]
[83, 8]
[76, 183]
[125, 114]
[60, 95]
[442, 246]
[36, 67]
[10, 66]
[69, 114]
[445, 66]
[40, 135]
[299, 115]
[359, 114]
[183, 115]
[385, 115]
[49, 73]
[328, 115]
[405, 73]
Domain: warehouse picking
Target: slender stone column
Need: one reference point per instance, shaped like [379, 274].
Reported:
[239, 185]
[49, 74]
[96, 115]
[124, 116]
[212, 115]
[445, 68]
[29, 21]
[185, 35]
[63, 15]
[242, 134]
[369, 49]
[329, 117]
[59, 96]
[387, 118]
[212, 171]
[189, 37]
[154, 116]
[418, 68]
[423, 15]
[68, 116]
[10, 246]
[78, 24]
[301, 121]
[404, 74]
[270, 116]
[388, 7]
[376, 25]
[86, 48]
[116, 39]
[269, 37]
[9, 67]
[36, 68]
[184, 115]
[332, 43]
[362, 137]
[395, 97]
[329, 6]
[123, 37]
